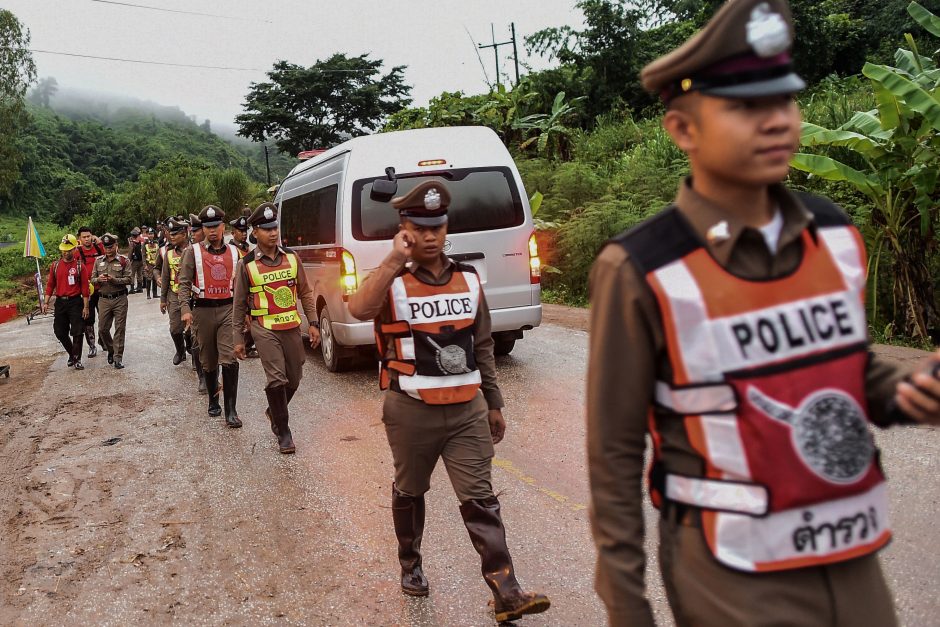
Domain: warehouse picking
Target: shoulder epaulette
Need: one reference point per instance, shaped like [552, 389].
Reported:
[659, 240]
[825, 212]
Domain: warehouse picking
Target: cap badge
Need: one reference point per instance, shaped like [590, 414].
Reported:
[432, 199]
[686, 84]
[268, 214]
[718, 232]
[211, 213]
[767, 32]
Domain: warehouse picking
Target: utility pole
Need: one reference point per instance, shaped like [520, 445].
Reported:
[495, 46]
[267, 164]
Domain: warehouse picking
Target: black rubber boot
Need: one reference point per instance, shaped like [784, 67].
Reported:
[408, 516]
[212, 385]
[277, 405]
[485, 526]
[230, 394]
[267, 412]
[147, 283]
[90, 339]
[197, 365]
[180, 355]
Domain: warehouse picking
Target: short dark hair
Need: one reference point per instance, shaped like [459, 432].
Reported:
[83, 229]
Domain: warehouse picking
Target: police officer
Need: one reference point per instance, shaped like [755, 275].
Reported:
[89, 250]
[240, 241]
[268, 283]
[111, 278]
[137, 260]
[151, 253]
[68, 283]
[169, 283]
[731, 328]
[205, 278]
[432, 324]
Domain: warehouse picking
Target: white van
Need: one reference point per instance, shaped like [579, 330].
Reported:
[342, 228]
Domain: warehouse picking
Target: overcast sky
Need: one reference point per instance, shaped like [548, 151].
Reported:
[430, 37]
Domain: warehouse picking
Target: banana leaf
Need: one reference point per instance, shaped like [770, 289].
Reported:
[832, 170]
[867, 123]
[812, 135]
[925, 18]
[906, 91]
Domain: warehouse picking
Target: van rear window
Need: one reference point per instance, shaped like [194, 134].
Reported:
[482, 199]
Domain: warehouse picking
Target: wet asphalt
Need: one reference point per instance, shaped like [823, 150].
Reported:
[342, 474]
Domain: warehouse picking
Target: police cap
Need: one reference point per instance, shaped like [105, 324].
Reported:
[194, 221]
[743, 52]
[176, 224]
[239, 224]
[264, 217]
[425, 205]
[109, 240]
[211, 216]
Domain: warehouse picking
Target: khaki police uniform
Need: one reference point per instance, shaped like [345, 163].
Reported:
[205, 279]
[277, 284]
[151, 255]
[112, 306]
[169, 292]
[630, 353]
[440, 411]
[241, 225]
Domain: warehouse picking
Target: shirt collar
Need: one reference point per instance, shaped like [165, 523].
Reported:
[278, 251]
[721, 230]
[413, 267]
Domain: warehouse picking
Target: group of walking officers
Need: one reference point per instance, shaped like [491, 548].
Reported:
[730, 328]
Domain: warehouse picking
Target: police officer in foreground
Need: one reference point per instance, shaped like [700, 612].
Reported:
[205, 279]
[432, 324]
[731, 327]
[169, 284]
[111, 278]
[268, 283]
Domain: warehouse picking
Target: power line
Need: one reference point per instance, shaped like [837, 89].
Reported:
[152, 8]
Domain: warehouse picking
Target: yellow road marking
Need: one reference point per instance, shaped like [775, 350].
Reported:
[510, 468]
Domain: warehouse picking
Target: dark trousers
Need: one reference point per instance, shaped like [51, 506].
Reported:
[68, 325]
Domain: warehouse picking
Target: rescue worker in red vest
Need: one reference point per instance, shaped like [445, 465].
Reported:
[432, 327]
[269, 282]
[89, 250]
[151, 253]
[112, 278]
[205, 277]
[240, 241]
[731, 329]
[169, 281]
[68, 282]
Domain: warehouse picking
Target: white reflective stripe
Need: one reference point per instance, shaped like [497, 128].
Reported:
[200, 277]
[699, 399]
[688, 313]
[407, 347]
[816, 531]
[746, 498]
[725, 447]
[411, 385]
[399, 297]
[845, 250]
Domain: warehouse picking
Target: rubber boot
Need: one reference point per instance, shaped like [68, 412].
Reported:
[408, 516]
[90, 339]
[147, 287]
[212, 386]
[188, 340]
[267, 412]
[197, 364]
[230, 394]
[180, 355]
[485, 526]
[277, 403]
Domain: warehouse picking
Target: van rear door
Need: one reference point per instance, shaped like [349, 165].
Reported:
[487, 226]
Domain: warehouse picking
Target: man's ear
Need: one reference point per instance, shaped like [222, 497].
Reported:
[681, 126]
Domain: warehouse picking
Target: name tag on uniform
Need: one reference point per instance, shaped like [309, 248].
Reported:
[71, 279]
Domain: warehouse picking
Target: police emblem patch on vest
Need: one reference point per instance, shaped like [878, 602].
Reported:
[218, 271]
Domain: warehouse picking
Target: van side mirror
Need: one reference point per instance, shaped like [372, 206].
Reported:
[383, 190]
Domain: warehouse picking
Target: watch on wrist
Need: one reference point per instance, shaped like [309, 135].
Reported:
[315, 324]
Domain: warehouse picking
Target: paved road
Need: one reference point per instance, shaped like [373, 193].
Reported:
[196, 524]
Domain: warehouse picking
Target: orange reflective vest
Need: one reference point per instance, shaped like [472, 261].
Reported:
[768, 381]
[214, 272]
[273, 292]
[431, 336]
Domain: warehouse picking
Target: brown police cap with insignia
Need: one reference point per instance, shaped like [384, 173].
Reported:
[239, 224]
[108, 240]
[176, 224]
[264, 217]
[743, 52]
[194, 221]
[211, 216]
[425, 205]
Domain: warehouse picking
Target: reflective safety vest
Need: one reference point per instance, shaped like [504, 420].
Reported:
[431, 338]
[274, 293]
[151, 253]
[768, 381]
[214, 272]
[173, 259]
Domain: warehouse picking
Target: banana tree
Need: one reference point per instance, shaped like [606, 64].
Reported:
[899, 145]
[554, 136]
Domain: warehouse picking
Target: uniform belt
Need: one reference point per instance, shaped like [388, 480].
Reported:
[68, 297]
[114, 295]
[213, 302]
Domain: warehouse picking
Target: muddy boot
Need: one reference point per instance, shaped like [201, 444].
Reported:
[197, 364]
[90, 339]
[212, 386]
[408, 516]
[277, 404]
[230, 394]
[180, 355]
[488, 535]
[267, 412]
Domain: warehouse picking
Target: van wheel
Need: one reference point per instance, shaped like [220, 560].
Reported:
[333, 354]
[503, 347]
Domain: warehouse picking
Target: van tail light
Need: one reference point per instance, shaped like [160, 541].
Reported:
[347, 273]
[535, 264]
